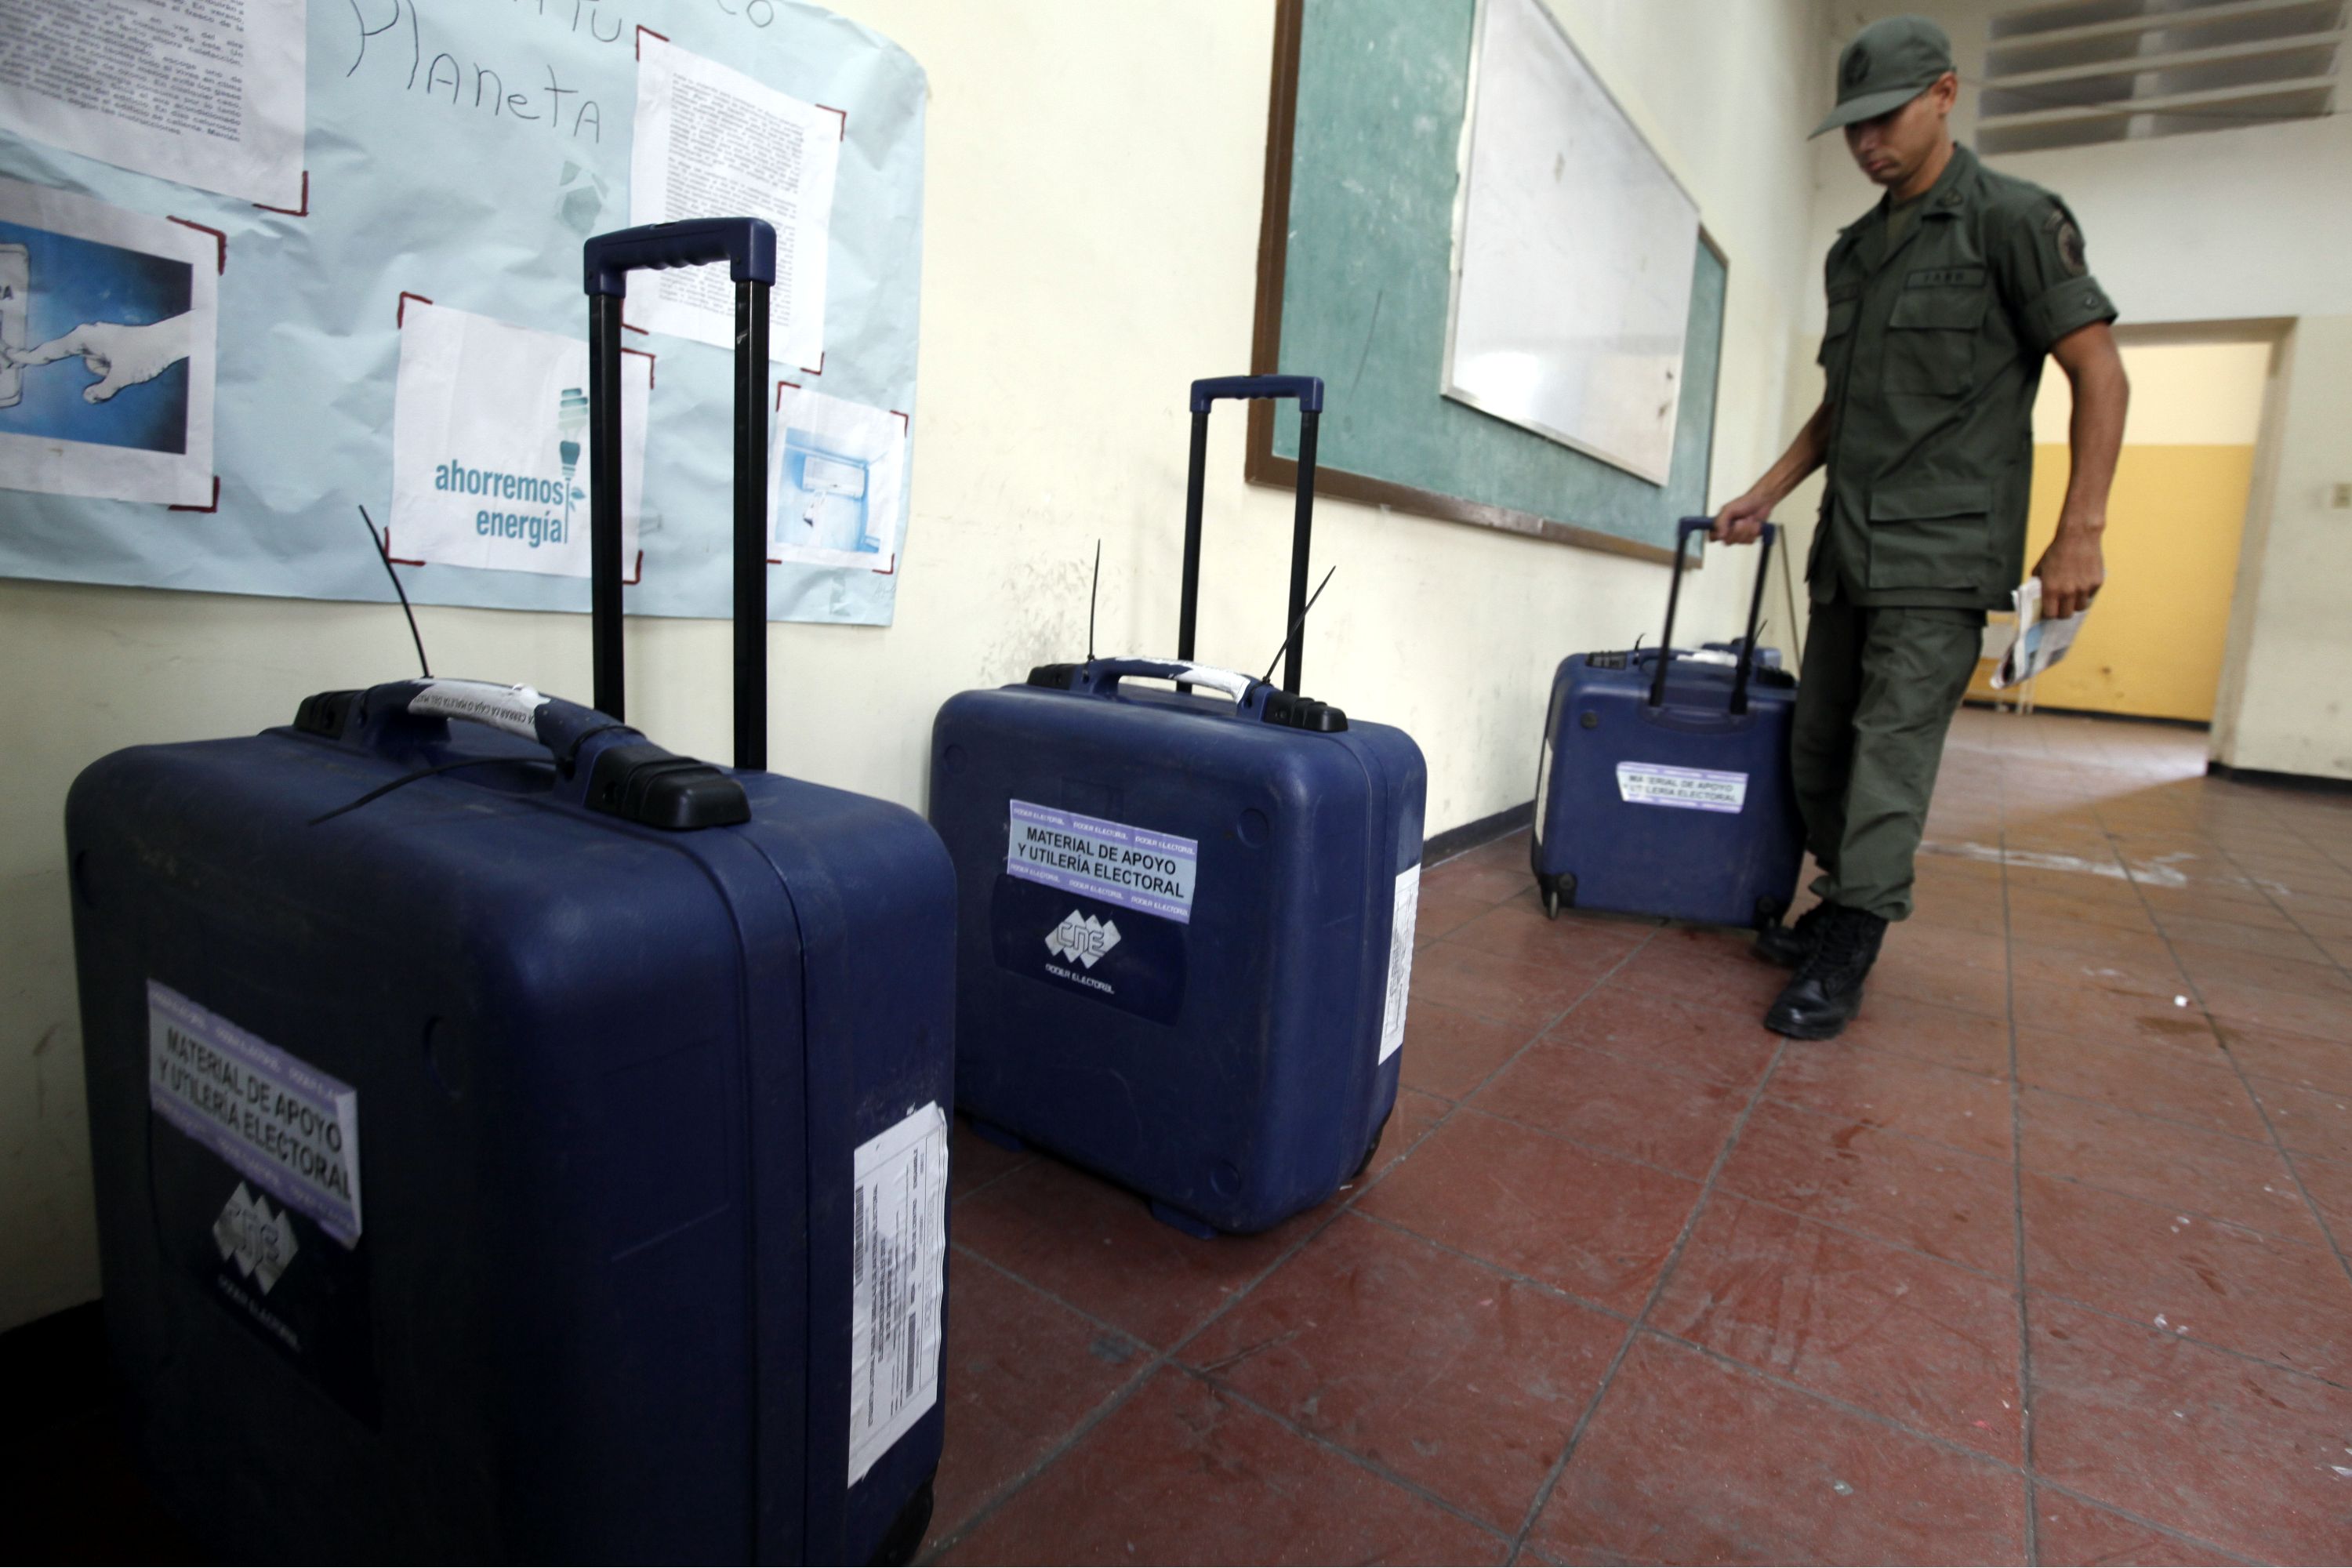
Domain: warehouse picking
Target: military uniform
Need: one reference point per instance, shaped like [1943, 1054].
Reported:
[1940, 314]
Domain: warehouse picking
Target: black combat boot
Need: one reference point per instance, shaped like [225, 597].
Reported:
[1827, 990]
[1789, 945]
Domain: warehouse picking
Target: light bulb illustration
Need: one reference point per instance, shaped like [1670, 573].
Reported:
[571, 419]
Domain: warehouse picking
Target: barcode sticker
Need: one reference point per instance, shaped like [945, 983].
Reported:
[1407, 915]
[514, 709]
[897, 1275]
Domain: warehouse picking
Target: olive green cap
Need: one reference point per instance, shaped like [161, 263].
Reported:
[1888, 64]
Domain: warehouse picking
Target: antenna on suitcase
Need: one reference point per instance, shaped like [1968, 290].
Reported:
[1093, 594]
[1295, 625]
[384, 554]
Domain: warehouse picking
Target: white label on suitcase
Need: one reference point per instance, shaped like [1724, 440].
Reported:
[1407, 915]
[1543, 789]
[278, 1121]
[514, 709]
[898, 1249]
[1133, 868]
[1692, 789]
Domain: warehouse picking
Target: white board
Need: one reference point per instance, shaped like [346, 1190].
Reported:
[1573, 253]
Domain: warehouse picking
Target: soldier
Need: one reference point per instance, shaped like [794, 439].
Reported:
[1943, 299]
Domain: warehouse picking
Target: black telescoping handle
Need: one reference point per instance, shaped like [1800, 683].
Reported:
[749, 246]
[1683, 531]
[1308, 390]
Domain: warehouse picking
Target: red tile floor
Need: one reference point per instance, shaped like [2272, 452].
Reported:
[2043, 1261]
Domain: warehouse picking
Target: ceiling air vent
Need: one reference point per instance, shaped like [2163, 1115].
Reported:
[2080, 72]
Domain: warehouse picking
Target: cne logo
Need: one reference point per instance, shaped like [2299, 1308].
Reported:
[1082, 938]
[257, 1237]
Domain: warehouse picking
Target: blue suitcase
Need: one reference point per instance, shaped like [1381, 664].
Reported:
[1185, 924]
[544, 1160]
[1663, 786]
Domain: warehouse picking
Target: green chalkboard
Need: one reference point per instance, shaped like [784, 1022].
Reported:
[1356, 268]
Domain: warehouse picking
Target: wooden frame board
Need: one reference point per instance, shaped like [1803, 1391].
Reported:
[1263, 465]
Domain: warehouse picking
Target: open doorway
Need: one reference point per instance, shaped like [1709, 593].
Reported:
[2153, 648]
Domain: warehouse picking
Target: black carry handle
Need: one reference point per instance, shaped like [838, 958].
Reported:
[1683, 531]
[1308, 390]
[749, 245]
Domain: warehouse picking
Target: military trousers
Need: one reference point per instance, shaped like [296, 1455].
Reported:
[1879, 690]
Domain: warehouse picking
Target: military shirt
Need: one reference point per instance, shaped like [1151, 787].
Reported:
[1933, 352]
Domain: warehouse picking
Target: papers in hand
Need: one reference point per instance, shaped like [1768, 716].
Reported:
[2039, 644]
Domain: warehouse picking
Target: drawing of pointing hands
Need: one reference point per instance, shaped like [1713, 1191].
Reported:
[120, 355]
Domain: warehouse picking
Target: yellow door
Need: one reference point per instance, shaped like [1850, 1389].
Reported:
[2152, 645]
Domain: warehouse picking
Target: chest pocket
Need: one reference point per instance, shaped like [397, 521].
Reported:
[1933, 332]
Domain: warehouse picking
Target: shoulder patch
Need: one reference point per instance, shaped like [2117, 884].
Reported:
[2070, 250]
[2065, 237]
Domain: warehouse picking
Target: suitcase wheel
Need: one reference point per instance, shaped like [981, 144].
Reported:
[1769, 913]
[1557, 892]
[1177, 1219]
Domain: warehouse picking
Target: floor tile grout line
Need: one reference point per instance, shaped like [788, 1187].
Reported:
[2192, 1211]
[1362, 1461]
[1110, 1405]
[1616, 1313]
[1103, 1323]
[2342, 1384]
[1657, 1290]
[1862, 1412]
[2301, 930]
[1158, 1358]
[972, 1193]
[1681, 1075]
[1749, 1199]
[2032, 1542]
[2145, 1522]
[1167, 1356]
[1529, 1044]
[1619, 1156]
[1914, 1137]
[2143, 1115]
[2261, 884]
[2222, 1041]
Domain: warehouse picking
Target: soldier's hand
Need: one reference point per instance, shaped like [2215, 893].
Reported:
[1742, 521]
[2072, 571]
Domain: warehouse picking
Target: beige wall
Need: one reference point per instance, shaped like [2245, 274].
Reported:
[2243, 225]
[2184, 481]
[1092, 216]
[2285, 704]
